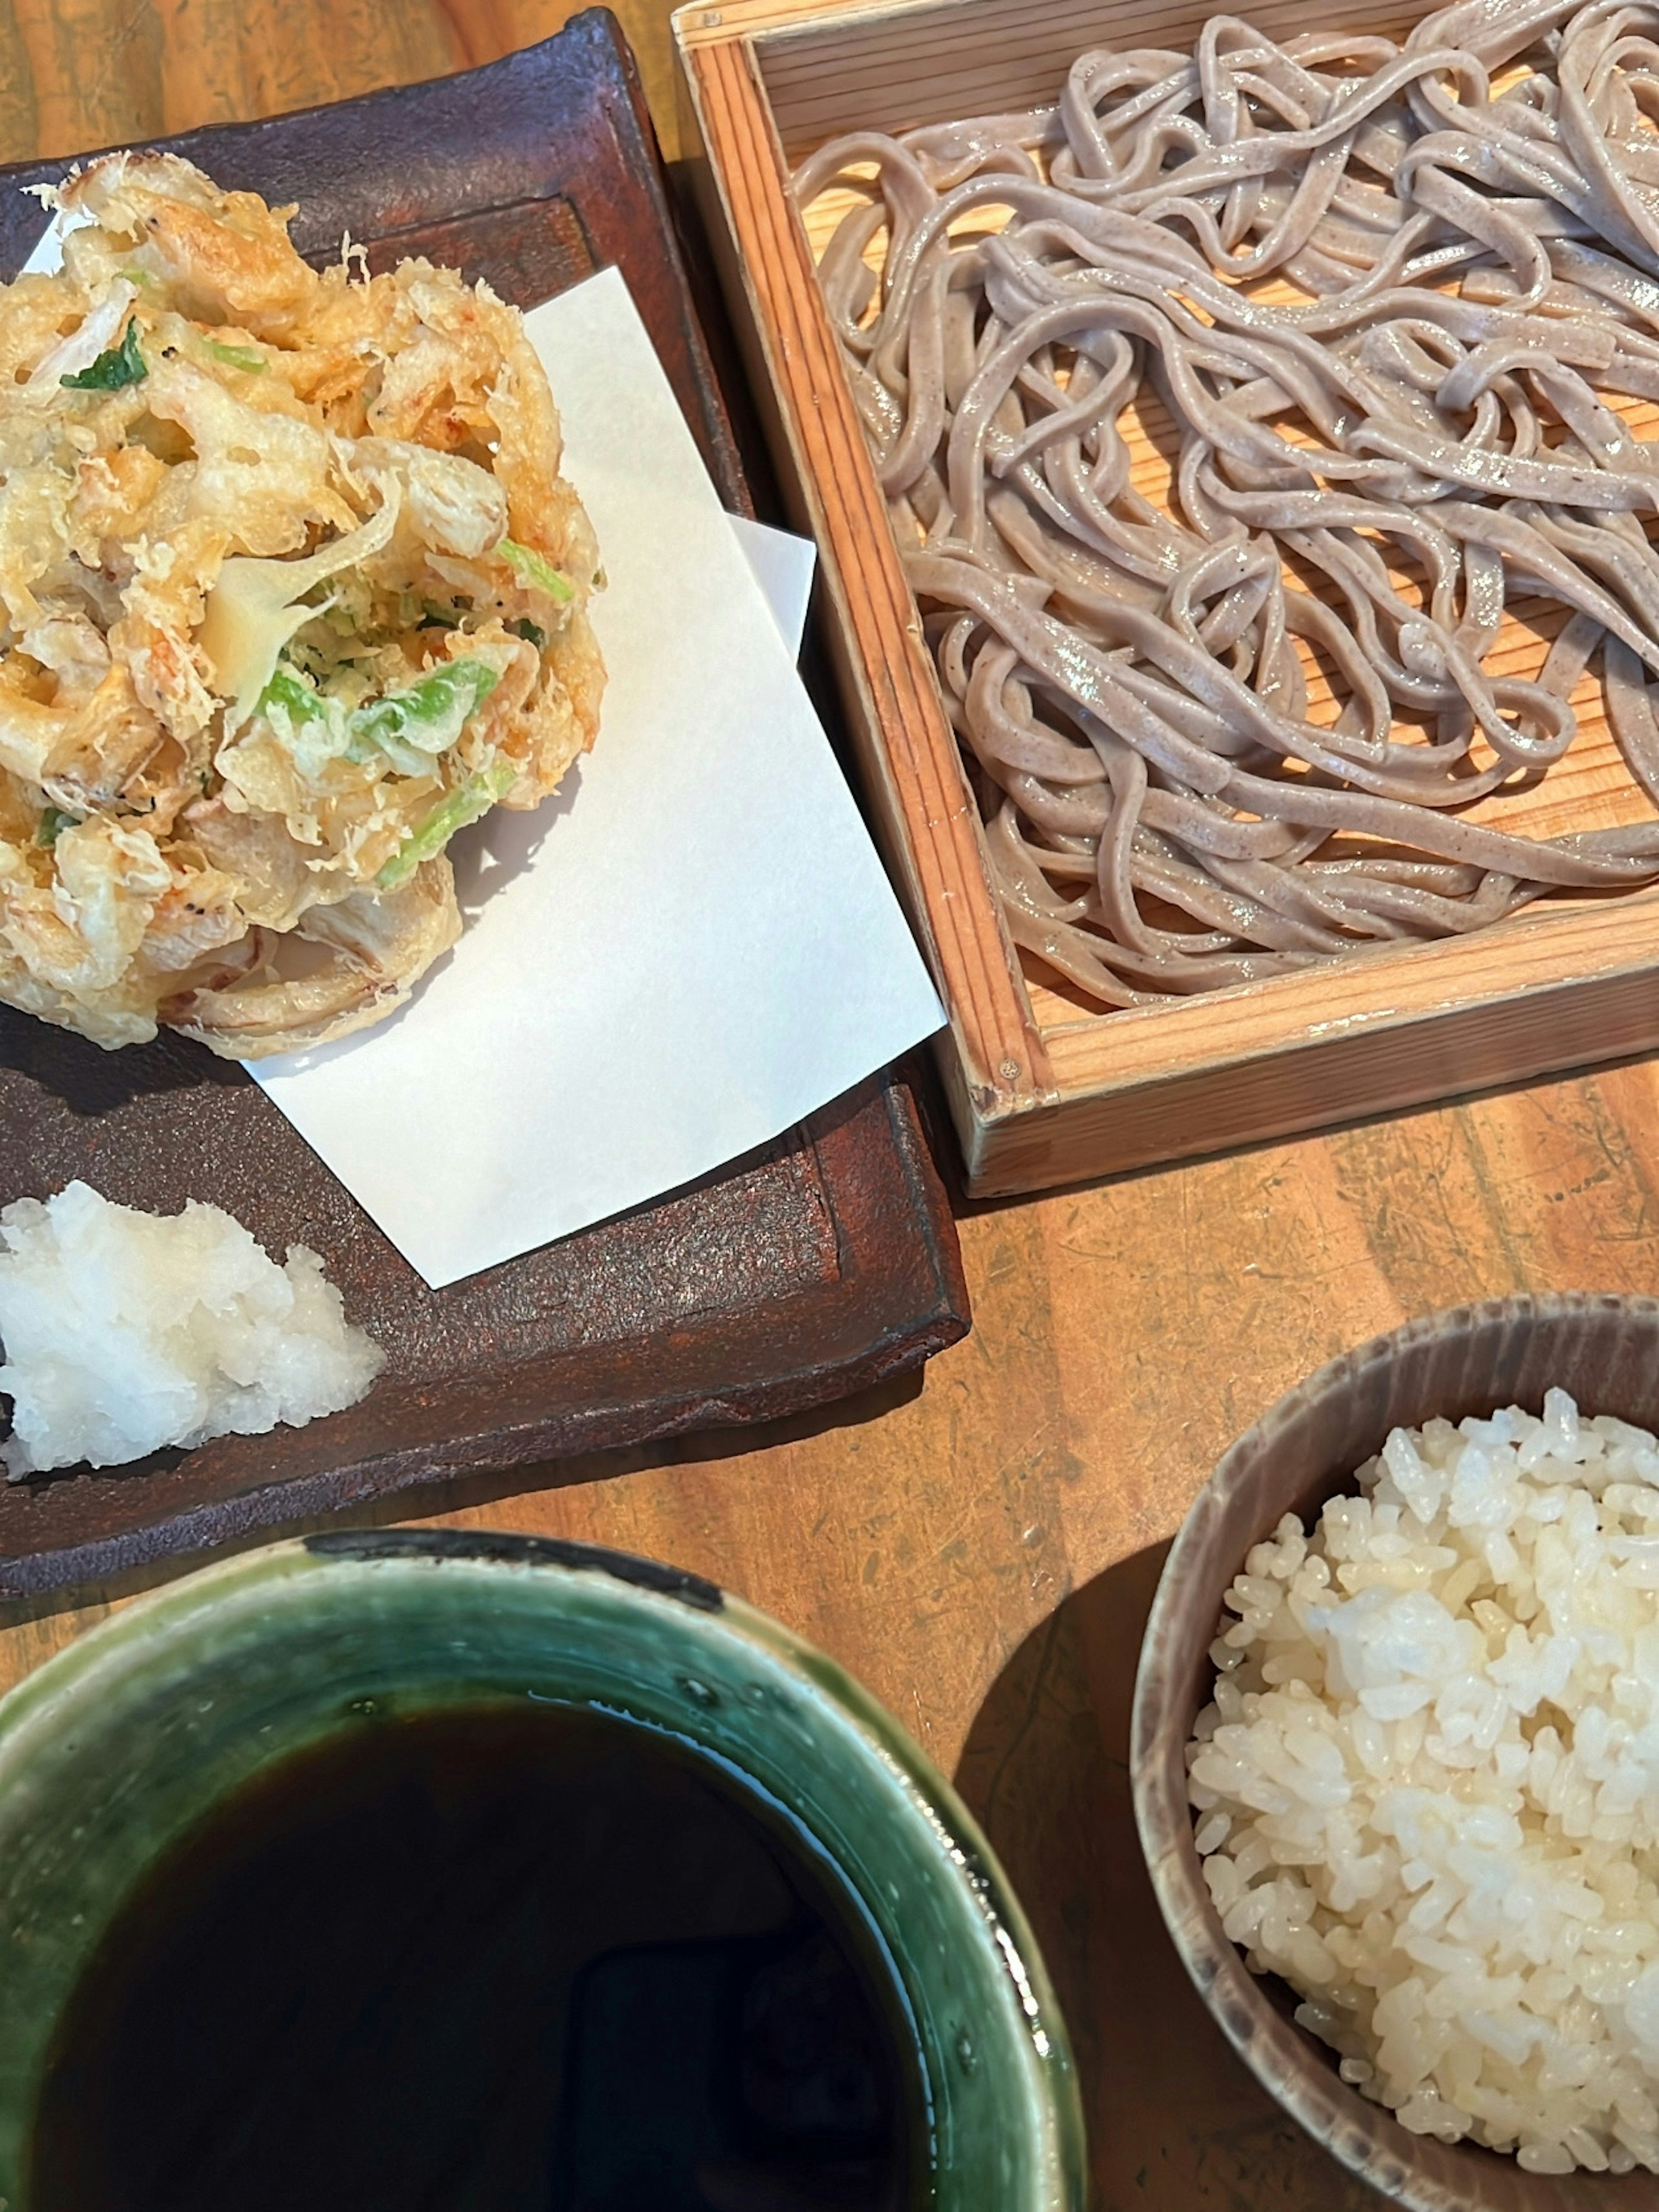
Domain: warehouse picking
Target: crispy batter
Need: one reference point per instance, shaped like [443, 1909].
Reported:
[234, 736]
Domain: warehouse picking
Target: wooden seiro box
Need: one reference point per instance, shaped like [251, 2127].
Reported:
[1044, 1090]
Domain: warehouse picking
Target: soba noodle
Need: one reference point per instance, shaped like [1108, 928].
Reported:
[1385, 294]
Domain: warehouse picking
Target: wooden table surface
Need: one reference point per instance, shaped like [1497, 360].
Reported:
[981, 1548]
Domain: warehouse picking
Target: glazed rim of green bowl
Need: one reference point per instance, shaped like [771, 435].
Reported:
[1601, 1346]
[120, 1741]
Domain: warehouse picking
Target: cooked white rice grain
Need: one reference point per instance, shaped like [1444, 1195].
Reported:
[124, 1332]
[1427, 1791]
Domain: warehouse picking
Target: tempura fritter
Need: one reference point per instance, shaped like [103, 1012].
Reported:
[291, 588]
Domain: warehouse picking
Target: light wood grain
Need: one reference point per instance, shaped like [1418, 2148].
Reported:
[1044, 1088]
[888, 65]
[79, 74]
[905, 747]
[981, 1550]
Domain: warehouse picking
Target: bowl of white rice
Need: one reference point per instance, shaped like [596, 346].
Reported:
[1396, 1754]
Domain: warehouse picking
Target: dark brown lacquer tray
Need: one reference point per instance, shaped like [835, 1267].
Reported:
[821, 1264]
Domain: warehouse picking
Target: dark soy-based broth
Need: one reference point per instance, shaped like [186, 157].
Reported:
[504, 1958]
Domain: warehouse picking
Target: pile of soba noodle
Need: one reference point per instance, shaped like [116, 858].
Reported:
[1391, 298]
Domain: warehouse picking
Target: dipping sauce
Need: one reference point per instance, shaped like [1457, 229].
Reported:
[504, 1958]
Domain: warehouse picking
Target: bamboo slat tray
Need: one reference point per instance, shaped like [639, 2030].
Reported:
[817, 1266]
[1044, 1089]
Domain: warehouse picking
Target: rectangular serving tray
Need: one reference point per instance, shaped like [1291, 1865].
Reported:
[1044, 1090]
[826, 1262]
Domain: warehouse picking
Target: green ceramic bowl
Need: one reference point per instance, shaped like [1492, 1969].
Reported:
[126, 1738]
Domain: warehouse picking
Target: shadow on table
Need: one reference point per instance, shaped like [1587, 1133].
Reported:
[1176, 2122]
[514, 1490]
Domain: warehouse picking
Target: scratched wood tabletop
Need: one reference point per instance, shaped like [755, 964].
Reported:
[981, 1548]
